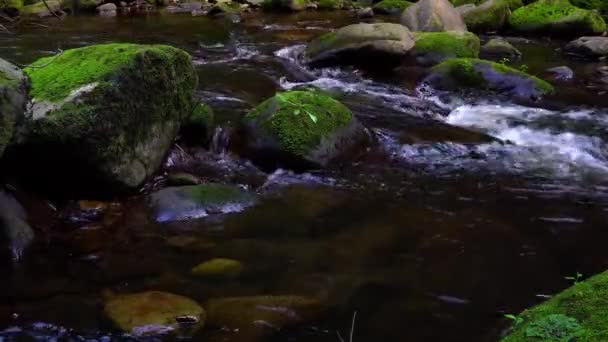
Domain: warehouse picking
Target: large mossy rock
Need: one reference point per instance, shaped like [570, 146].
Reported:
[362, 44]
[104, 116]
[578, 313]
[155, 313]
[391, 7]
[556, 17]
[15, 233]
[491, 15]
[435, 47]
[433, 16]
[13, 98]
[468, 73]
[194, 201]
[243, 315]
[301, 129]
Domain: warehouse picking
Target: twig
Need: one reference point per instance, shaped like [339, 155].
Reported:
[50, 10]
[59, 53]
[352, 329]
[4, 29]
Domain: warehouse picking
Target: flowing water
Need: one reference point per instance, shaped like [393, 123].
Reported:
[470, 208]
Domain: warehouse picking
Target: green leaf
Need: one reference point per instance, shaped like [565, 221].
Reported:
[312, 117]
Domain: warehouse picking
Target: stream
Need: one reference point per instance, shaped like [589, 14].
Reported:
[470, 207]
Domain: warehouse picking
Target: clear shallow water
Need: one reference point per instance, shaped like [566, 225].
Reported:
[468, 209]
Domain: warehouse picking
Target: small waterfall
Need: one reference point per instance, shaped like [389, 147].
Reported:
[220, 141]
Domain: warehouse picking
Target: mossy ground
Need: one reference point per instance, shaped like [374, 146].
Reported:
[552, 16]
[465, 71]
[301, 119]
[449, 44]
[579, 313]
[392, 5]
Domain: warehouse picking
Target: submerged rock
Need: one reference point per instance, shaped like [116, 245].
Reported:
[499, 48]
[391, 7]
[254, 317]
[435, 47]
[155, 313]
[219, 268]
[301, 129]
[194, 201]
[13, 98]
[433, 16]
[592, 47]
[491, 15]
[107, 113]
[556, 17]
[468, 73]
[362, 44]
[578, 313]
[15, 234]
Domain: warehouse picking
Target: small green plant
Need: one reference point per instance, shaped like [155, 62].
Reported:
[516, 319]
[575, 279]
[504, 61]
[555, 327]
[299, 108]
[523, 68]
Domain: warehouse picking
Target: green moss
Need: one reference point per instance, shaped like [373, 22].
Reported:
[491, 15]
[218, 268]
[579, 312]
[600, 5]
[392, 5]
[554, 16]
[466, 71]
[301, 119]
[215, 193]
[40, 7]
[330, 4]
[447, 44]
[12, 4]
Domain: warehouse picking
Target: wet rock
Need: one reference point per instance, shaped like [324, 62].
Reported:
[362, 44]
[391, 7]
[40, 10]
[190, 6]
[155, 313]
[365, 13]
[15, 234]
[465, 73]
[491, 15]
[104, 112]
[251, 318]
[433, 16]
[435, 47]
[107, 10]
[13, 98]
[556, 17]
[561, 73]
[182, 178]
[218, 268]
[602, 74]
[592, 47]
[301, 129]
[498, 49]
[224, 7]
[188, 202]
[87, 5]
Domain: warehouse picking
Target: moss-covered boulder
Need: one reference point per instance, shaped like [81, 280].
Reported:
[491, 15]
[433, 16]
[556, 17]
[155, 313]
[13, 98]
[218, 268]
[188, 202]
[435, 47]
[499, 49]
[40, 10]
[469, 73]
[104, 116]
[285, 5]
[242, 315]
[301, 129]
[578, 313]
[363, 45]
[391, 7]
